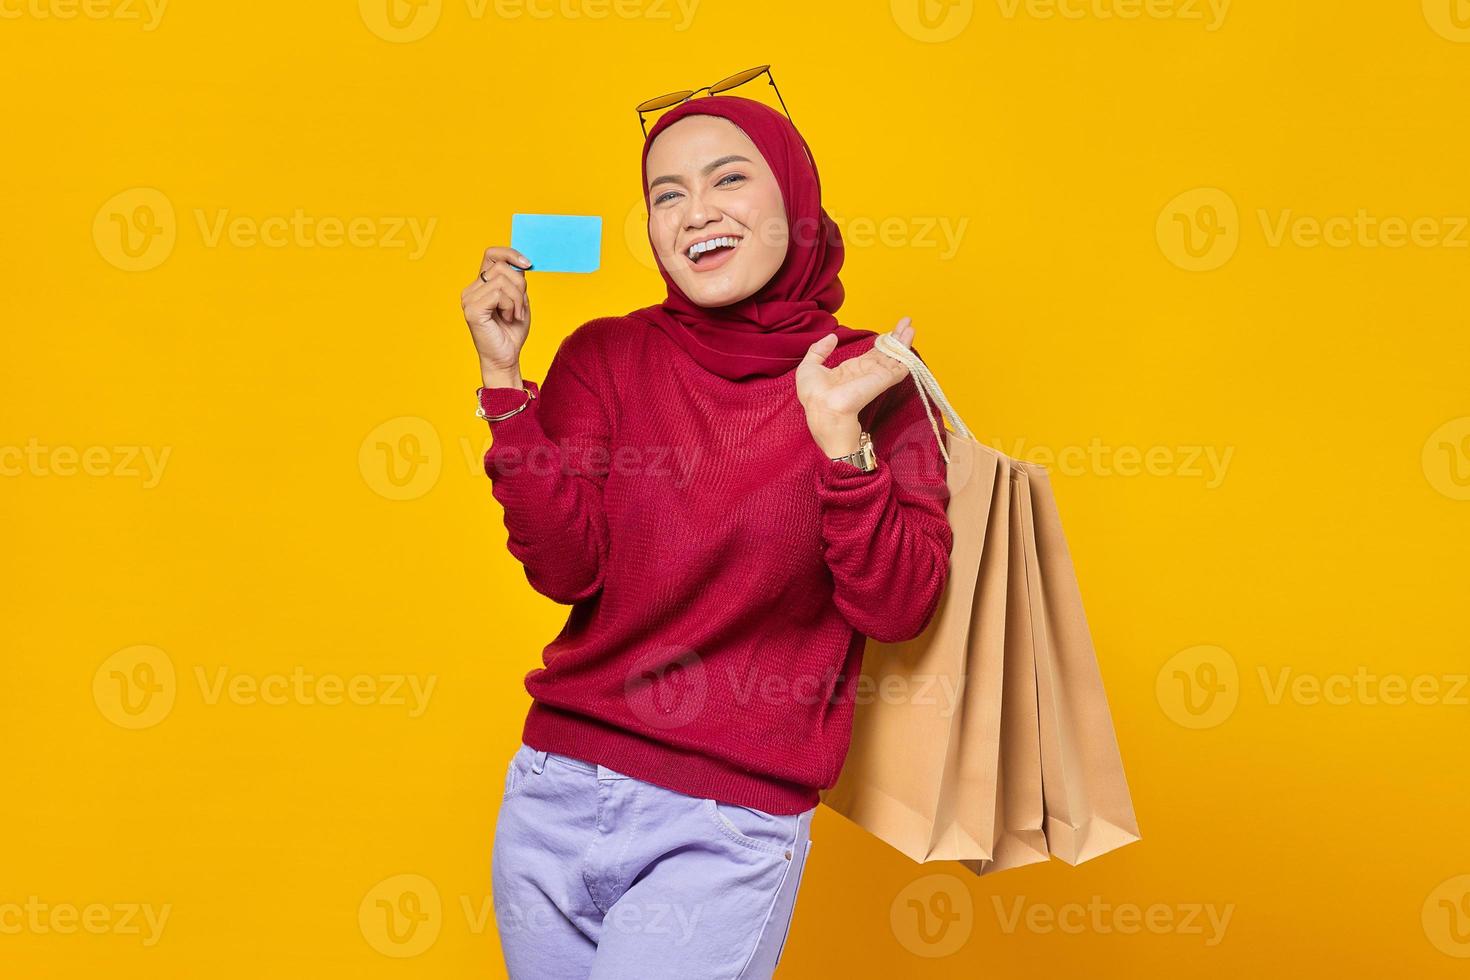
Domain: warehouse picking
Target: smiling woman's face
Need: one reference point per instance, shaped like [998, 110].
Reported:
[707, 180]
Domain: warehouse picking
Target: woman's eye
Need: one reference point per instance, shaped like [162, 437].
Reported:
[720, 183]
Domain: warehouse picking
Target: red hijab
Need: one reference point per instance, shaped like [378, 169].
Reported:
[768, 333]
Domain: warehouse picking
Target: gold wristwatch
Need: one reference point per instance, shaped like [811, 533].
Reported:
[863, 458]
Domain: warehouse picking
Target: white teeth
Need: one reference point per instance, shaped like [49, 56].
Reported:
[702, 247]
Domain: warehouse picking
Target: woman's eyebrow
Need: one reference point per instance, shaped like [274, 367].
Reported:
[706, 171]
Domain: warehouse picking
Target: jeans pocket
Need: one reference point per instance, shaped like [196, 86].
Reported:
[754, 829]
[515, 773]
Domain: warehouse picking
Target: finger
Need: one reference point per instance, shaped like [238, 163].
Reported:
[817, 353]
[513, 279]
[861, 391]
[488, 300]
[514, 290]
[507, 306]
[891, 370]
[478, 291]
[497, 254]
[882, 373]
[515, 293]
[474, 295]
[504, 272]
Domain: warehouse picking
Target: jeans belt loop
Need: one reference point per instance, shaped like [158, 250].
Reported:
[538, 761]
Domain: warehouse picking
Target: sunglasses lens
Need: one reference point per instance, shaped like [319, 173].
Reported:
[728, 83]
[664, 101]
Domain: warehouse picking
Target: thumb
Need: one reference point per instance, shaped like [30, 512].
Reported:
[817, 353]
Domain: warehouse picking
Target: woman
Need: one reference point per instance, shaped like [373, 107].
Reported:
[690, 479]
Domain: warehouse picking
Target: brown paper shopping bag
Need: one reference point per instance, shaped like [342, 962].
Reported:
[1019, 759]
[1020, 836]
[902, 755]
[1088, 807]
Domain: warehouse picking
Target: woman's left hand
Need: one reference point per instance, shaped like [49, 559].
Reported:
[833, 397]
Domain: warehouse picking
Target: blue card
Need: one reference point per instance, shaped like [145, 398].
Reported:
[558, 242]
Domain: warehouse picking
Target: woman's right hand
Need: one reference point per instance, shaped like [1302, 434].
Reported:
[498, 311]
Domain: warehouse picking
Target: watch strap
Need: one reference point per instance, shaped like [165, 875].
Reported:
[863, 457]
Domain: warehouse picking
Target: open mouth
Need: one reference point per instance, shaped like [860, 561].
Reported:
[714, 253]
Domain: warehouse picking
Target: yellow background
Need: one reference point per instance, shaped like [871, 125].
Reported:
[322, 509]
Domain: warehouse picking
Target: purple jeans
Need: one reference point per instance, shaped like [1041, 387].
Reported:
[597, 875]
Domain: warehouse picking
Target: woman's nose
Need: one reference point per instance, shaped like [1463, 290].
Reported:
[700, 213]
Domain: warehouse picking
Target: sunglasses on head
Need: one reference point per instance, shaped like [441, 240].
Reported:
[723, 85]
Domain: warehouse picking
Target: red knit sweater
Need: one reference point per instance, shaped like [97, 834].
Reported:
[723, 573]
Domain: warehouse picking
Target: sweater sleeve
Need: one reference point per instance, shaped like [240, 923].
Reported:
[547, 466]
[886, 534]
